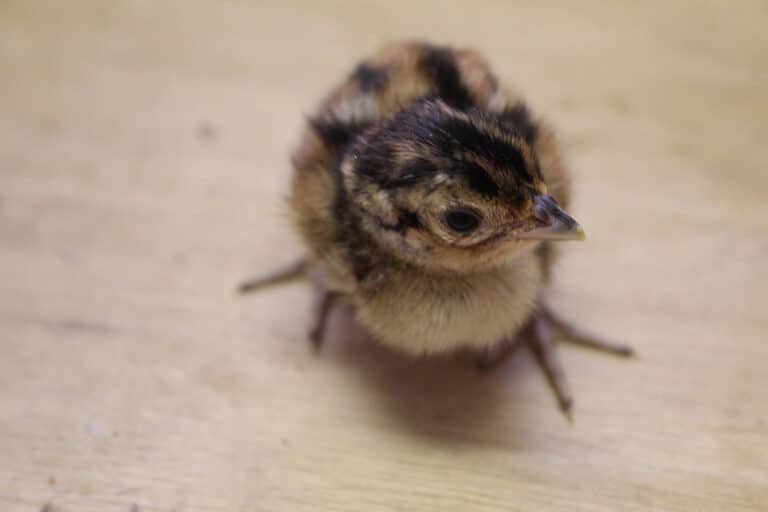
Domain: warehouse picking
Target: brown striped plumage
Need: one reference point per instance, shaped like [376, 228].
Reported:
[427, 196]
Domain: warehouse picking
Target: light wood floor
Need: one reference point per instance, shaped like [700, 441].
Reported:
[143, 161]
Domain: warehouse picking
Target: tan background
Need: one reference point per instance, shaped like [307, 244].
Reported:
[143, 157]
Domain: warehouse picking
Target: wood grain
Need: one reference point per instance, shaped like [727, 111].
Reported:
[143, 164]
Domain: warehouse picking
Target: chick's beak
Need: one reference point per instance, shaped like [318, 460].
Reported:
[552, 223]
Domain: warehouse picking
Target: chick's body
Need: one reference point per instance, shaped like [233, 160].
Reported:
[428, 198]
[414, 309]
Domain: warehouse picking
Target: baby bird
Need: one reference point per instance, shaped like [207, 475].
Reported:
[429, 198]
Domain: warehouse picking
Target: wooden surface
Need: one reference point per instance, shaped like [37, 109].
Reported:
[143, 161]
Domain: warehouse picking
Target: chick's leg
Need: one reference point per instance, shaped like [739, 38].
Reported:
[321, 309]
[574, 334]
[543, 345]
[293, 270]
[539, 333]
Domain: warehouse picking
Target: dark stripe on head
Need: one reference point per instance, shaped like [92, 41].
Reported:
[518, 119]
[437, 140]
[440, 66]
[477, 178]
[336, 133]
[467, 136]
[370, 79]
[375, 162]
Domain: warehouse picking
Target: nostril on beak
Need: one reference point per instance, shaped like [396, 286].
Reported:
[542, 208]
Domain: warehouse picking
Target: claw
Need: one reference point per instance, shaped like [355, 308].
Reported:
[576, 335]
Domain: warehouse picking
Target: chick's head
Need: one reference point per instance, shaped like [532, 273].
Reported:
[451, 190]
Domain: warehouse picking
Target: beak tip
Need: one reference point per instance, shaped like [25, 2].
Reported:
[558, 225]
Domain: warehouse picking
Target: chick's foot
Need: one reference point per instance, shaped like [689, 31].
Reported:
[539, 333]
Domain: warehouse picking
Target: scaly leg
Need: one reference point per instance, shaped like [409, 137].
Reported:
[543, 346]
[292, 271]
[323, 305]
[323, 300]
[540, 332]
[538, 335]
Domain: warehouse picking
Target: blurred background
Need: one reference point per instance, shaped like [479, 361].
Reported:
[143, 166]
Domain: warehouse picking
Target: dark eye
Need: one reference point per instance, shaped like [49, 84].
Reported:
[462, 220]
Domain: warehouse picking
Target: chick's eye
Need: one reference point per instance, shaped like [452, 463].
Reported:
[463, 221]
